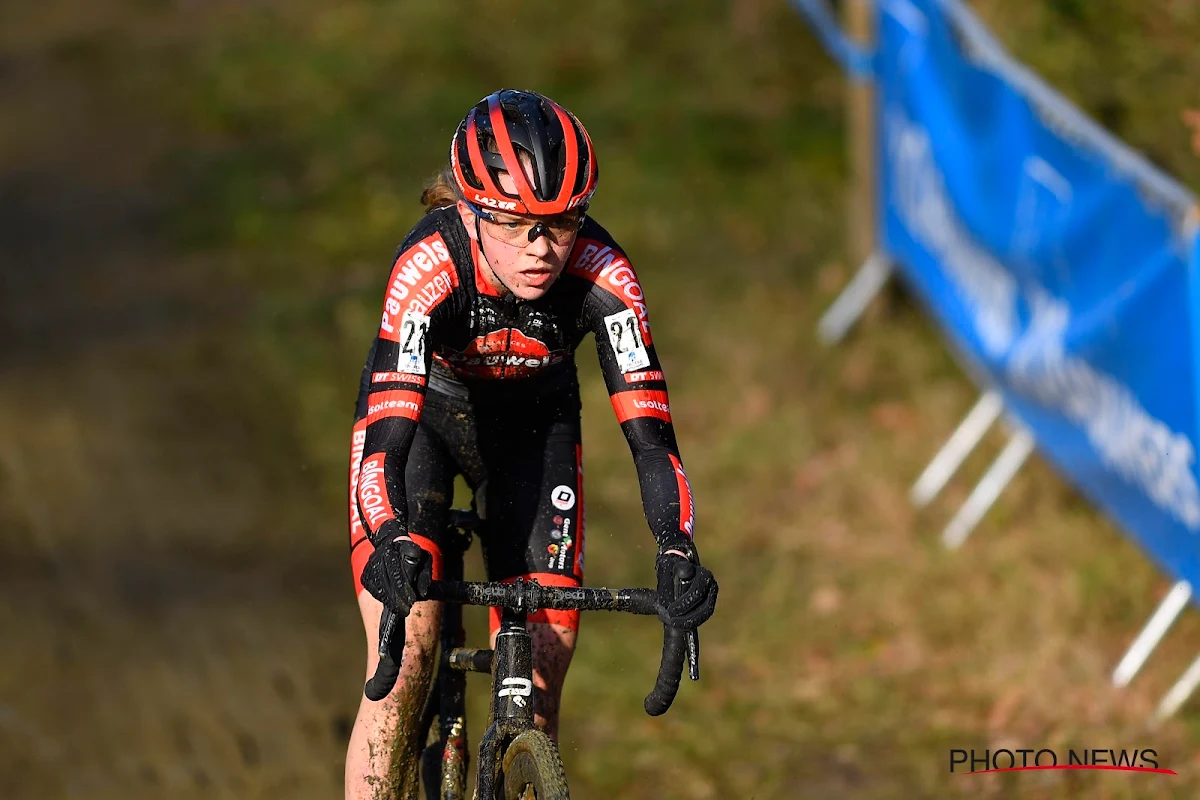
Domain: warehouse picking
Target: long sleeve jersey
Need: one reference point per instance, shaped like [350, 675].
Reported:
[443, 325]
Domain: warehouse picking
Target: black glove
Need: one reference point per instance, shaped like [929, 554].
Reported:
[397, 574]
[687, 592]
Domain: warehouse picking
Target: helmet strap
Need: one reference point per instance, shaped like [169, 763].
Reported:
[487, 263]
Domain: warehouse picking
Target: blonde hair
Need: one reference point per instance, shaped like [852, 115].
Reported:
[440, 192]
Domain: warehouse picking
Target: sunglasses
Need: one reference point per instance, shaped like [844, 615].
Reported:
[519, 231]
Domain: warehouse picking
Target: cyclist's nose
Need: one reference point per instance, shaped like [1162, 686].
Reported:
[541, 244]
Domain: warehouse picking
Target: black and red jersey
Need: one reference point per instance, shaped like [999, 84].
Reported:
[443, 327]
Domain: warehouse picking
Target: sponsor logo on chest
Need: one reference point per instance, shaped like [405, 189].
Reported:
[506, 353]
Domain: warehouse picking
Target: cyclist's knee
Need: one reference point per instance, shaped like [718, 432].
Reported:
[553, 646]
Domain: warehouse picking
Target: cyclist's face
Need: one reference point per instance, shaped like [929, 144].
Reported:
[528, 268]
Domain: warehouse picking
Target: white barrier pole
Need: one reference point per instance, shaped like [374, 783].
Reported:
[1179, 693]
[966, 436]
[998, 476]
[854, 299]
[1158, 625]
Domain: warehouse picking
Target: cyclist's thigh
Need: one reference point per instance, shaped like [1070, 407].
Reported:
[429, 476]
[534, 499]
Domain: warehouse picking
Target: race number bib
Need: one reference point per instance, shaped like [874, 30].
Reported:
[413, 329]
[625, 336]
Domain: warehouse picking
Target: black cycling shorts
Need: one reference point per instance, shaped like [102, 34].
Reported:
[521, 455]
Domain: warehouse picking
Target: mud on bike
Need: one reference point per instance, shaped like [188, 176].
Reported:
[516, 761]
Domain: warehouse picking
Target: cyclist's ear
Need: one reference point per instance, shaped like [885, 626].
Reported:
[467, 216]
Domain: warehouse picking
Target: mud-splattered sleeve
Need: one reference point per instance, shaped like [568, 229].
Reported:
[615, 311]
[422, 278]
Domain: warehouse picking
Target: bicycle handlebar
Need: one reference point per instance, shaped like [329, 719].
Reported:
[528, 596]
[524, 596]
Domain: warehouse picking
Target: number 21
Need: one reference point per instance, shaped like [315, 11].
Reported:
[411, 327]
[618, 333]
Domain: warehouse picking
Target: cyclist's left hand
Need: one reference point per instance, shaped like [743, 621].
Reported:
[397, 573]
[696, 598]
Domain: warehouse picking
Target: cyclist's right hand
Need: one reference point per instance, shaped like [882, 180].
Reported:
[398, 573]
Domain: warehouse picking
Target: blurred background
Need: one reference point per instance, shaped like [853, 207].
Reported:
[198, 206]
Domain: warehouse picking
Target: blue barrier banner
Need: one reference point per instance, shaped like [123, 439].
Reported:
[1056, 261]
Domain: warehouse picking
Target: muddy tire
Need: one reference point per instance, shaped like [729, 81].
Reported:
[444, 771]
[533, 769]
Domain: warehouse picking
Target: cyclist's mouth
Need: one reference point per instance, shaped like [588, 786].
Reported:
[537, 277]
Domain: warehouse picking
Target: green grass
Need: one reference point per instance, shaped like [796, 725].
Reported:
[849, 652]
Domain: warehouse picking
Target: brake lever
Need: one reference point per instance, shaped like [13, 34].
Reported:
[693, 636]
[387, 627]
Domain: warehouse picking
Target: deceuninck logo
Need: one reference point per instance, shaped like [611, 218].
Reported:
[979, 762]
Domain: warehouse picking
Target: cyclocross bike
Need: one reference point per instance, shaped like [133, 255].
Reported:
[517, 761]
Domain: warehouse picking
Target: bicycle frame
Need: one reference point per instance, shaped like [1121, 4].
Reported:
[511, 666]
[512, 698]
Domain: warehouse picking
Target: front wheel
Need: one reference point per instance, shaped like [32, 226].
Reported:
[533, 769]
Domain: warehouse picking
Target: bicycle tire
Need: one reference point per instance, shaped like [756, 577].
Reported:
[531, 762]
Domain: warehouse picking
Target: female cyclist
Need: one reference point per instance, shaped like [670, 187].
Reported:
[472, 373]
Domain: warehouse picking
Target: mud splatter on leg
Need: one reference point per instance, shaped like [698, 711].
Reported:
[553, 647]
[383, 756]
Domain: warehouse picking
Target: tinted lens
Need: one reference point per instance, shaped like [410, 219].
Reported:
[512, 231]
[564, 225]
[516, 230]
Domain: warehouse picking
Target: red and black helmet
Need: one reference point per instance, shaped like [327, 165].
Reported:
[508, 122]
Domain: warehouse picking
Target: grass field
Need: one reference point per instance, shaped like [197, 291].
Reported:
[201, 201]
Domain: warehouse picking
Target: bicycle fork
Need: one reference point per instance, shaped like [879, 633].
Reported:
[512, 701]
